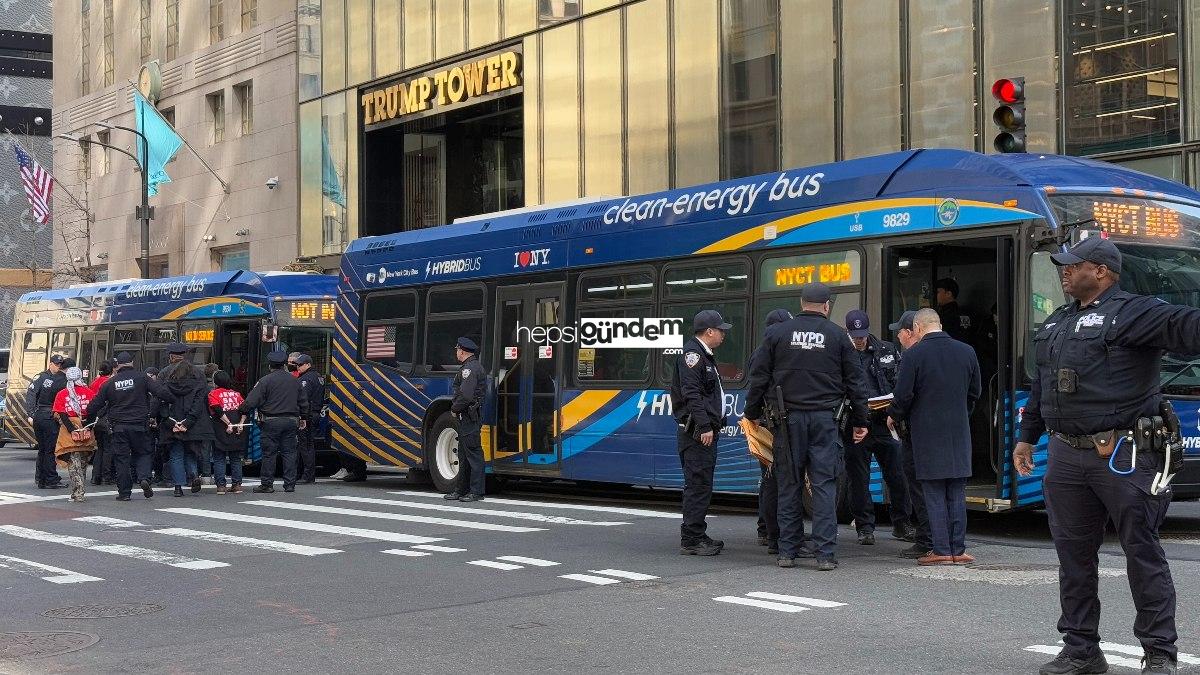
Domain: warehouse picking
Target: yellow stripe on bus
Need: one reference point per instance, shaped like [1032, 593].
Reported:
[584, 405]
[338, 367]
[383, 424]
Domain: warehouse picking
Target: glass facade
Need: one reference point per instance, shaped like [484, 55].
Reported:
[750, 79]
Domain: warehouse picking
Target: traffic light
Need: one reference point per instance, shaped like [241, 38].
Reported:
[1009, 115]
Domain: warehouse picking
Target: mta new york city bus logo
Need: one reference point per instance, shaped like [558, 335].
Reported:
[610, 333]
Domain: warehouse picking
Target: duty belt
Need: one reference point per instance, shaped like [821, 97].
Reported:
[1086, 441]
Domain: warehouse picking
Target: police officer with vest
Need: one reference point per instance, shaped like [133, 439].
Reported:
[1097, 392]
[39, 402]
[812, 361]
[314, 388]
[124, 402]
[281, 403]
[698, 402]
[466, 407]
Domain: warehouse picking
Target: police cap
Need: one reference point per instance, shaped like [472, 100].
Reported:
[1096, 250]
[858, 323]
[815, 292]
[57, 359]
[905, 322]
[947, 284]
[467, 344]
[302, 359]
[177, 348]
[277, 358]
[709, 318]
[778, 316]
[124, 359]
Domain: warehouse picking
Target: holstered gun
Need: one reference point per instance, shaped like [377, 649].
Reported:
[777, 420]
[841, 415]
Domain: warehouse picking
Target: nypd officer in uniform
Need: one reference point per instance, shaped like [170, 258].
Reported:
[39, 402]
[1098, 365]
[314, 388]
[281, 402]
[468, 399]
[815, 363]
[124, 401]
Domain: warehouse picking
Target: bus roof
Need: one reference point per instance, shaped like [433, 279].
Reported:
[285, 285]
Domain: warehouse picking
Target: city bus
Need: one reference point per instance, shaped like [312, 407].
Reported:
[233, 319]
[881, 231]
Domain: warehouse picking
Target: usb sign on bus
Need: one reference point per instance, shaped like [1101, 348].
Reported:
[610, 333]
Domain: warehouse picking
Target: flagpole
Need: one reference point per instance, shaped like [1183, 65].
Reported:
[224, 185]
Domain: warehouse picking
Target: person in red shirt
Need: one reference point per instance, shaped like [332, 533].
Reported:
[230, 444]
[103, 468]
[75, 443]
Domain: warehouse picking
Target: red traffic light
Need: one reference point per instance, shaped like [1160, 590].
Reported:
[1009, 90]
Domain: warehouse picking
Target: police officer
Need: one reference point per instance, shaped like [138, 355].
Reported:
[880, 362]
[955, 323]
[468, 399]
[698, 402]
[768, 488]
[314, 388]
[812, 360]
[1098, 365]
[281, 403]
[124, 401]
[39, 402]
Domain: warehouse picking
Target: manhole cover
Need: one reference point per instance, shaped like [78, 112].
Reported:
[1015, 567]
[29, 645]
[102, 611]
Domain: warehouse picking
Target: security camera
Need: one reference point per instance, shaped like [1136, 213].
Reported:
[272, 182]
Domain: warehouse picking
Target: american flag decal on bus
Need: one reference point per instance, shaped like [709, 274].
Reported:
[381, 342]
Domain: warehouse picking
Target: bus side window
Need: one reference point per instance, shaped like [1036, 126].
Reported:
[621, 294]
[1045, 296]
[66, 342]
[723, 286]
[389, 329]
[33, 353]
[452, 313]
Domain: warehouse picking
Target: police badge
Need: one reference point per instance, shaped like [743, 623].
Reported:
[466, 372]
[691, 359]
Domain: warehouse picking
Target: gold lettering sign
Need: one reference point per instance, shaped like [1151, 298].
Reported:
[492, 75]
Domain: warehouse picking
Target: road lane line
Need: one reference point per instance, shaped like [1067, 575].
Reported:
[439, 549]
[263, 544]
[633, 576]
[377, 535]
[495, 565]
[1138, 651]
[589, 579]
[136, 552]
[812, 602]
[111, 522]
[1112, 659]
[761, 604]
[405, 552]
[449, 522]
[622, 510]
[539, 517]
[59, 576]
[536, 562]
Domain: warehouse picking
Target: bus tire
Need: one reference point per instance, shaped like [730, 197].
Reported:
[441, 453]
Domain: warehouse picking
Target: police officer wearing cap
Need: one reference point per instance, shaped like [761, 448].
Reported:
[314, 389]
[281, 403]
[922, 539]
[812, 359]
[466, 407]
[698, 401]
[1099, 360]
[39, 403]
[880, 362]
[124, 401]
[768, 487]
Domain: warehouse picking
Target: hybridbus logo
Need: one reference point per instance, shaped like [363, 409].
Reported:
[610, 333]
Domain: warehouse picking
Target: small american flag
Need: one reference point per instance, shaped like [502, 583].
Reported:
[38, 184]
[381, 342]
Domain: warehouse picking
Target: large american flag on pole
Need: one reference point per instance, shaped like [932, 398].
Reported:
[38, 184]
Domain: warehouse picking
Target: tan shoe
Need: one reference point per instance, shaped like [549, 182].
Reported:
[235, 490]
[932, 558]
[964, 559]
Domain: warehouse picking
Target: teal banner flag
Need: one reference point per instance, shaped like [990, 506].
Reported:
[161, 138]
[331, 187]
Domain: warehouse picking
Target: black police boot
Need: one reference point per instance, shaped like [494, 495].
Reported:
[866, 538]
[907, 533]
[1065, 664]
[197, 484]
[147, 491]
[713, 542]
[178, 491]
[1158, 662]
[264, 489]
[122, 498]
[772, 547]
[471, 498]
[763, 540]
[452, 497]
[700, 548]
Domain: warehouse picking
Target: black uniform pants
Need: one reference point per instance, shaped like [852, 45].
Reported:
[130, 443]
[916, 498]
[278, 440]
[1082, 494]
[858, 479]
[768, 504]
[817, 451]
[470, 457]
[307, 450]
[45, 430]
[699, 461]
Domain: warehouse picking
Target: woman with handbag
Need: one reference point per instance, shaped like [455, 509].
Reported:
[75, 442]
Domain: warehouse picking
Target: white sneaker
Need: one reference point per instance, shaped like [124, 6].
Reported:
[341, 473]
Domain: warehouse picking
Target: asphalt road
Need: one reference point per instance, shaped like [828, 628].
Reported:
[386, 577]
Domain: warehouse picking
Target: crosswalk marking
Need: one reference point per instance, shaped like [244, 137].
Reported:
[378, 535]
[762, 604]
[632, 576]
[536, 562]
[539, 517]
[812, 602]
[449, 522]
[495, 565]
[590, 579]
[37, 569]
[406, 552]
[1137, 651]
[645, 513]
[263, 544]
[439, 549]
[110, 522]
[146, 554]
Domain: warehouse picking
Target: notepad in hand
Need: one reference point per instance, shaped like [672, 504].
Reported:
[879, 402]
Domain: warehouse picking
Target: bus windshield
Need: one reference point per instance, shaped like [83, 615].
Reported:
[1159, 243]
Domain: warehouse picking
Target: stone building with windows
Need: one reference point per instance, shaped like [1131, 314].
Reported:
[224, 74]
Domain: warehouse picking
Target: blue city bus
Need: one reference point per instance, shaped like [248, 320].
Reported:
[880, 231]
[230, 318]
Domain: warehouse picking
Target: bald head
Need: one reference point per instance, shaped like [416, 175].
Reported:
[926, 321]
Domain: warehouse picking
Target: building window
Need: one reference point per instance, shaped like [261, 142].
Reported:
[172, 49]
[144, 23]
[750, 70]
[216, 24]
[159, 268]
[1122, 75]
[216, 110]
[237, 259]
[108, 42]
[249, 14]
[85, 46]
[554, 11]
[309, 25]
[244, 93]
[104, 137]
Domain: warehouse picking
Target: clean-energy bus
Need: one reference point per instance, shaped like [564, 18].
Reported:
[232, 319]
[881, 231]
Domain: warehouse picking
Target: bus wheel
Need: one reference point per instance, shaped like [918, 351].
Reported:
[441, 453]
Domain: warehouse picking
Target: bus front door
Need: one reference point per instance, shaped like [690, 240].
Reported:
[527, 359]
[93, 350]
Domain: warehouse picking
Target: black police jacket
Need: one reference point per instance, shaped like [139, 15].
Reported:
[468, 386]
[955, 324]
[124, 399]
[314, 389]
[696, 388]
[880, 362]
[277, 394]
[815, 363]
[1098, 366]
[40, 395]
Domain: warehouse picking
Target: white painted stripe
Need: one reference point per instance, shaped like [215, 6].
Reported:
[635, 576]
[146, 554]
[377, 535]
[1125, 661]
[589, 579]
[761, 604]
[536, 562]
[623, 510]
[439, 549]
[494, 564]
[449, 522]
[60, 576]
[539, 517]
[110, 522]
[410, 554]
[264, 544]
[812, 602]
[1137, 651]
